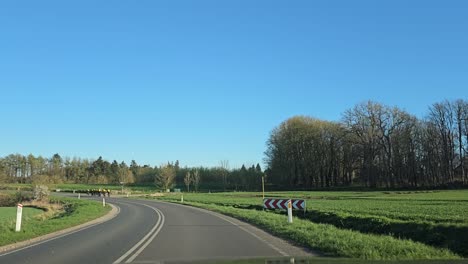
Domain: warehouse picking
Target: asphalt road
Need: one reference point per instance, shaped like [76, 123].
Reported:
[155, 232]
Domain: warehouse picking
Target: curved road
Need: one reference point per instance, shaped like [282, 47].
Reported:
[148, 231]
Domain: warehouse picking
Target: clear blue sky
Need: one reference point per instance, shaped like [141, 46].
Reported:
[204, 81]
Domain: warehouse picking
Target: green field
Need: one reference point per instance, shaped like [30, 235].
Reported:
[74, 212]
[371, 224]
[429, 206]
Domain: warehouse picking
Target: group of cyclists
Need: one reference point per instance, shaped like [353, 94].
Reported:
[99, 192]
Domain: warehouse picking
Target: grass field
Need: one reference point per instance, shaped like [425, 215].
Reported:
[428, 206]
[75, 212]
[360, 224]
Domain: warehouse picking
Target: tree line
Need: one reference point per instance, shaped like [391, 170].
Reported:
[373, 145]
[17, 168]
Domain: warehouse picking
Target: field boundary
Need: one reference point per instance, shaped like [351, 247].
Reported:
[8, 249]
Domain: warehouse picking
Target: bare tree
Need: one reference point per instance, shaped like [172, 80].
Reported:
[465, 129]
[165, 177]
[461, 118]
[441, 116]
[364, 120]
[224, 166]
[125, 176]
[188, 180]
[196, 179]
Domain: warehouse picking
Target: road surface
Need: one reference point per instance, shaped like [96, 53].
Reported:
[147, 231]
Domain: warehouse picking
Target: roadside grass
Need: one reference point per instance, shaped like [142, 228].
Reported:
[9, 213]
[435, 218]
[74, 212]
[15, 187]
[442, 235]
[333, 241]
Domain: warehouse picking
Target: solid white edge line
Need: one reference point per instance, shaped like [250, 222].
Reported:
[149, 240]
[130, 251]
[60, 236]
[248, 231]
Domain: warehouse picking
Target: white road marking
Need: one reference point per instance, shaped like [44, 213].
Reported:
[161, 215]
[248, 231]
[154, 231]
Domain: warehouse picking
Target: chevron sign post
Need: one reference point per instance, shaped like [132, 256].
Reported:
[272, 203]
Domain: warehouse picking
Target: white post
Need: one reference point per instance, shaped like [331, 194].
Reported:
[263, 188]
[103, 201]
[289, 212]
[182, 198]
[127, 195]
[79, 195]
[19, 215]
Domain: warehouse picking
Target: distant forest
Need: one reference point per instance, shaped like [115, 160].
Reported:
[16, 168]
[372, 146]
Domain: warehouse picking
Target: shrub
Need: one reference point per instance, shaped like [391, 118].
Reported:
[6, 200]
[41, 193]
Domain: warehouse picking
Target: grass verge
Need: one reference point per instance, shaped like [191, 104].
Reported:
[74, 212]
[333, 241]
[451, 236]
[9, 213]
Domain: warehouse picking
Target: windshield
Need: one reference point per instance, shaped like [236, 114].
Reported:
[233, 131]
